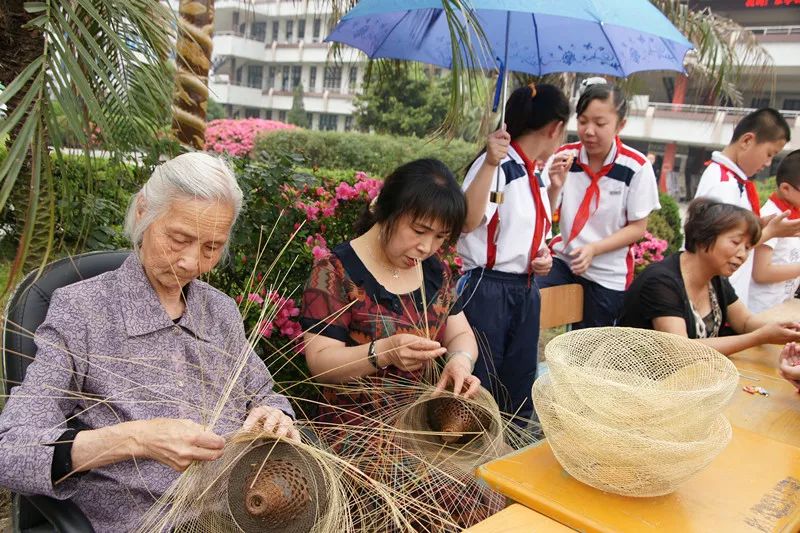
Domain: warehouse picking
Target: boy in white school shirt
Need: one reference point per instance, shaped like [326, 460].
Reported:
[776, 262]
[755, 141]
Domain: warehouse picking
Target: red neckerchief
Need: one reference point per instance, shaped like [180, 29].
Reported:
[749, 186]
[783, 205]
[541, 225]
[592, 193]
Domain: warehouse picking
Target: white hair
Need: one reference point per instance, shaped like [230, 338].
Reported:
[192, 176]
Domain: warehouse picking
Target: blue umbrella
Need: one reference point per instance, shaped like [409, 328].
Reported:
[615, 37]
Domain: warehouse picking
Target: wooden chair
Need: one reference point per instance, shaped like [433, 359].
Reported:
[561, 305]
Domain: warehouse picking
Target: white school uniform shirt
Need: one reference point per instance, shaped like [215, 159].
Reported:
[629, 192]
[785, 250]
[717, 184]
[514, 234]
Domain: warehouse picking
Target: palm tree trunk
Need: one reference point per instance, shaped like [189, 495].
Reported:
[195, 30]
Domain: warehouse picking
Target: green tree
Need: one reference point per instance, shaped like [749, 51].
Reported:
[105, 63]
[412, 103]
[297, 114]
[214, 110]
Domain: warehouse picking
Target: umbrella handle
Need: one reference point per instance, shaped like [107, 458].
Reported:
[497, 196]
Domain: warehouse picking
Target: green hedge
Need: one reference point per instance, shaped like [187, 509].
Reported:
[376, 155]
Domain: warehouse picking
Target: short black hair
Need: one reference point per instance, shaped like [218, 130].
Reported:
[766, 124]
[603, 92]
[789, 170]
[422, 189]
[707, 219]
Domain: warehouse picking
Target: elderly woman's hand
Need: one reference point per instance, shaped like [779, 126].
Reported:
[176, 443]
[272, 421]
[458, 371]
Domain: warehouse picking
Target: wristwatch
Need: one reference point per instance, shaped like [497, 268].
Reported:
[372, 357]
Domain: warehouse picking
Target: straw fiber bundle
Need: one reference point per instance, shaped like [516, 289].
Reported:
[634, 412]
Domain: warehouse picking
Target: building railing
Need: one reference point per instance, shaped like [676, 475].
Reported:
[774, 30]
[704, 109]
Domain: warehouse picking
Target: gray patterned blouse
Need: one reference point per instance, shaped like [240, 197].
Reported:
[109, 353]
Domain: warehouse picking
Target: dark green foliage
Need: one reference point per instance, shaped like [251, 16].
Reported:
[666, 223]
[409, 103]
[376, 155]
[297, 114]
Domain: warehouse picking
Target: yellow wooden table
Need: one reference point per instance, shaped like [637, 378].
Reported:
[753, 486]
[787, 311]
[776, 416]
[760, 360]
[518, 519]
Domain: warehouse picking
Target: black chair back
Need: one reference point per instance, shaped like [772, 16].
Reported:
[25, 311]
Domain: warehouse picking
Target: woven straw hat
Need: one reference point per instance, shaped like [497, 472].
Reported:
[274, 487]
[634, 412]
[448, 427]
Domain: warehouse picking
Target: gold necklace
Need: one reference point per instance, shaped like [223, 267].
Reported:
[395, 272]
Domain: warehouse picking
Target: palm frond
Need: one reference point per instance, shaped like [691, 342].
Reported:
[104, 65]
[723, 51]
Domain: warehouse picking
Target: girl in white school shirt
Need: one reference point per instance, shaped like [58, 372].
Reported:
[609, 190]
[504, 243]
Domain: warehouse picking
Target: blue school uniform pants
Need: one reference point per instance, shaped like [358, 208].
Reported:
[503, 309]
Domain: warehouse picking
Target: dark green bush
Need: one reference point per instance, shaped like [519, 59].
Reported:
[375, 154]
[90, 205]
[666, 223]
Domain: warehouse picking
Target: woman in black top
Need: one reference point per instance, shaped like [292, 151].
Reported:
[689, 294]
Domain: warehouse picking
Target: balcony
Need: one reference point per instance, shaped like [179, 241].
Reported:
[237, 45]
[225, 92]
[695, 125]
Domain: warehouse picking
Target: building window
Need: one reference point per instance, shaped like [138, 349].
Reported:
[297, 72]
[255, 76]
[317, 29]
[328, 122]
[348, 123]
[275, 29]
[333, 79]
[289, 30]
[252, 112]
[271, 73]
[791, 104]
[282, 115]
[242, 28]
[258, 31]
[239, 75]
[310, 120]
[301, 29]
[759, 102]
[235, 18]
[353, 79]
[312, 79]
[285, 80]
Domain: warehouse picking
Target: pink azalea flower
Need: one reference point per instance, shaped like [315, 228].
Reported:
[253, 297]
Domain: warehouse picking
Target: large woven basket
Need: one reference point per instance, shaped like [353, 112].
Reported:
[634, 412]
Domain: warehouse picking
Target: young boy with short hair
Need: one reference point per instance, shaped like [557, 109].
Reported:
[776, 262]
[756, 139]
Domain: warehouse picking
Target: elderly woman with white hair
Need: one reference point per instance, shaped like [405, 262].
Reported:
[142, 370]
